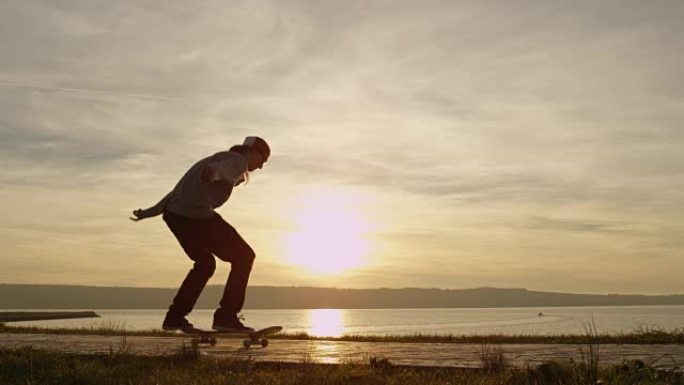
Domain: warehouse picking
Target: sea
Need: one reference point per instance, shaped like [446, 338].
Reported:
[453, 321]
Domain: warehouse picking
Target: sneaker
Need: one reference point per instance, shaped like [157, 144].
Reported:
[176, 323]
[231, 324]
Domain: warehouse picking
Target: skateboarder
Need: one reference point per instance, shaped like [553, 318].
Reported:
[188, 211]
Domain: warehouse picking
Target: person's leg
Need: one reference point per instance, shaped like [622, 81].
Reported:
[227, 244]
[192, 286]
[190, 235]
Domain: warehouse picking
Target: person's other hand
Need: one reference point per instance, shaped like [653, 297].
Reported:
[139, 214]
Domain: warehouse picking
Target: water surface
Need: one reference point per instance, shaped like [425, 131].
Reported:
[470, 321]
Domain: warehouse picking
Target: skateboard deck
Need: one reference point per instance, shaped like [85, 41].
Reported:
[202, 336]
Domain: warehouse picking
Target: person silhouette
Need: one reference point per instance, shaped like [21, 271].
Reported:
[188, 211]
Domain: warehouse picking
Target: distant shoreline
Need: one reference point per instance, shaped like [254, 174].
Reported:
[66, 297]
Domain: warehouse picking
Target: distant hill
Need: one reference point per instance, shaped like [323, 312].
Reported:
[268, 297]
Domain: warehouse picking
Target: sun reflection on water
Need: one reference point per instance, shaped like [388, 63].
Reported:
[326, 322]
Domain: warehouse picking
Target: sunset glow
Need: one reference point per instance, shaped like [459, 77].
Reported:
[329, 236]
[440, 144]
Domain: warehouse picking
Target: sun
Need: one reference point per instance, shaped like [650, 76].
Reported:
[329, 236]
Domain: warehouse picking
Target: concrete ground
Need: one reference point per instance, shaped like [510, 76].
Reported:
[418, 354]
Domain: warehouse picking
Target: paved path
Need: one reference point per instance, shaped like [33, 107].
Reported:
[420, 354]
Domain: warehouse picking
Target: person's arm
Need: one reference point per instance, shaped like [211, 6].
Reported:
[211, 173]
[153, 211]
[225, 170]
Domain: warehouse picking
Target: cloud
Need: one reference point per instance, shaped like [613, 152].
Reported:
[571, 225]
[95, 92]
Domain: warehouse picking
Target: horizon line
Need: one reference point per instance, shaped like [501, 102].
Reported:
[349, 288]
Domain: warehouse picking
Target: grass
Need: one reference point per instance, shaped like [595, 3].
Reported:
[643, 335]
[28, 367]
[493, 358]
[591, 357]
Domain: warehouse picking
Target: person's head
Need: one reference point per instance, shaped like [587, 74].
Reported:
[256, 150]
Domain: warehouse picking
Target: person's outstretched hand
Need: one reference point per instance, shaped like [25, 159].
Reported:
[139, 214]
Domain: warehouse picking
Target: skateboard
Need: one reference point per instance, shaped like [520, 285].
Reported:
[210, 336]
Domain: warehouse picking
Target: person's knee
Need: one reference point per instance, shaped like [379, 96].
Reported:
[206, 268]
[250, 255]
[247, 256]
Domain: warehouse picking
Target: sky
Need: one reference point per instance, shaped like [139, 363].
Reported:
[440, 144]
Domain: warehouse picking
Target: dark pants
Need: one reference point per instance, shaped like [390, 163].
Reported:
[202, 239]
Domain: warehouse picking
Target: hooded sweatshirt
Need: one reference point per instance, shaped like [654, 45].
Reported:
[194, 198]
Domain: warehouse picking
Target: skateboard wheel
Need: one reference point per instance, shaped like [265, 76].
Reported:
[247, 343]
[195, 343]
[212, 341]
[264, 343]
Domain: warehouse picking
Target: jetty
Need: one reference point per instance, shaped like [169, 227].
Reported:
[44, 315]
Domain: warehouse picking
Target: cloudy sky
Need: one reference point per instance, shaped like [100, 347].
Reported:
[444, 144]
